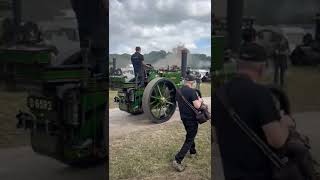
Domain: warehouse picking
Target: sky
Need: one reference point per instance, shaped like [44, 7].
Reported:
[159, 25]
[282, 11]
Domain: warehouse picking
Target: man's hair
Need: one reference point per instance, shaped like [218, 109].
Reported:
[138, 48]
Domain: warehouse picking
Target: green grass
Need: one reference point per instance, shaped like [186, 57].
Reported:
[205, 89]
[302, 85]
[148, 154]
[10, 104]
[112, 94]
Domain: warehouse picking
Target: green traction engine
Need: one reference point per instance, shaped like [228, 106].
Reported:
[226, 43]
[156, 99]
[67, 98]
[66, 103]
[222, 66]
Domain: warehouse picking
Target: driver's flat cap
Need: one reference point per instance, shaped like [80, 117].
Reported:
[252, 52]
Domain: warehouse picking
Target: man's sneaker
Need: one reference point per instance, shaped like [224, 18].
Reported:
[179, 167]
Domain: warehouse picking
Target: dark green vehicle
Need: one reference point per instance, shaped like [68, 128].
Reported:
[66, 104]
[157, 98]
[66, 101]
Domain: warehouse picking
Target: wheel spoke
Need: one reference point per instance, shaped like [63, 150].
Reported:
[170, 99]
[153, 103]
[162, 100]
[167, 93]
[169, 103]
[155, 97]
[155, 107]
[159, 90]
[160, 111]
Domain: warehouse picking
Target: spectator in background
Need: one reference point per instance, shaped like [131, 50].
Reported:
[280, 58]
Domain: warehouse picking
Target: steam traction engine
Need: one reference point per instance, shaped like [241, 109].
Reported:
[66, 102]
[157, 97]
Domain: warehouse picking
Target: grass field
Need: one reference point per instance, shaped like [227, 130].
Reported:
[148, 154]
[10, 104]
[205, 89]
[302, 85]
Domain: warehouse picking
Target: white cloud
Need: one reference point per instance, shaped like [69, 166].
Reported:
[158, 24]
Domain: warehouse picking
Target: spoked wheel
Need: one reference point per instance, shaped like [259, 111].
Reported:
[159, 102]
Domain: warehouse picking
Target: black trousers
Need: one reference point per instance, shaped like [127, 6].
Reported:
[191, 127]
[279, 70]
[139, 75]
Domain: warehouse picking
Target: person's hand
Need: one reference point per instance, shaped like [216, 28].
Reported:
[287, 120]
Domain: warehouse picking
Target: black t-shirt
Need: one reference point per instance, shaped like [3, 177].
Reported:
[136, 60]
[254, 104]
[191, 95]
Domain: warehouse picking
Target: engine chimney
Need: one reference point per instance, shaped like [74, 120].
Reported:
[317, 33]
[114, 63]
[184, 54]
[234, 23]
[16, 5]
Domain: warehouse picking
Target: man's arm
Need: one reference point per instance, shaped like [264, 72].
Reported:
[196, 100]
[142, 61]
[274, 125]
[276, 133]
[197, 103]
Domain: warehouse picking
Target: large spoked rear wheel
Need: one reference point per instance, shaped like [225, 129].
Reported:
[159, 102]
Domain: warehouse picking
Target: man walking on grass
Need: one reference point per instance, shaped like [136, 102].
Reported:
[188, 119]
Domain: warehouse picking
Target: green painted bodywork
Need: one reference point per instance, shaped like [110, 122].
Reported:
[175, 77]
[75, 74]
[135, 104]
[152, 74]
[25, 55]
[130, 95]
[33, 66]
[221, 70]
[217, 49]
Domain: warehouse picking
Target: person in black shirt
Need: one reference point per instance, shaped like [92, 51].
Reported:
[189, 121]
[241, 158]
[280, 57]
[138, 66]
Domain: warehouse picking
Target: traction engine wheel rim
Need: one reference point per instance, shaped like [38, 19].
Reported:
[159, 101]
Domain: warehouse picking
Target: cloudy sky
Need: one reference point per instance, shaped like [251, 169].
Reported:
[159, 25]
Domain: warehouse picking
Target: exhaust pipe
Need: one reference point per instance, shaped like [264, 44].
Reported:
[317, 33]
[16, 4]
[184, 54]
[234, 23]
[114, 63]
